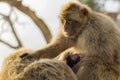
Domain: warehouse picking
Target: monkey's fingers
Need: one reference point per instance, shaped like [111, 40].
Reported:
[25, 56]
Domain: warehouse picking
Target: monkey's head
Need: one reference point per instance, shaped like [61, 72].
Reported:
[74, 17]
[73, 59]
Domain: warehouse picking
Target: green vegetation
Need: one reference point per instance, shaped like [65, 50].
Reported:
[92, 3]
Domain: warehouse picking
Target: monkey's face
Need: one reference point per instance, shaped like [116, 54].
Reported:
[73, 19]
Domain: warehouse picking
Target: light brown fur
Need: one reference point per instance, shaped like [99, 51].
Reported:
[47, 69]
[15, 68]
[13, 64]
[95, 34]
[100, 39]
[62, 41]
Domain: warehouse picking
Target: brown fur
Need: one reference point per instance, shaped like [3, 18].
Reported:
[99, 37]
[47, 69]
[64, 39]
[15, 68]
[13, 64]
[95, 34]
[62, 56]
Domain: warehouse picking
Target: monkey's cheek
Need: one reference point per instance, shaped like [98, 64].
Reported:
[65, 33]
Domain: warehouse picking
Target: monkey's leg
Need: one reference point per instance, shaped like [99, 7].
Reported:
[95, 69]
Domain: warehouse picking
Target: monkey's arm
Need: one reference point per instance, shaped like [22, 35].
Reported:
[55, 47]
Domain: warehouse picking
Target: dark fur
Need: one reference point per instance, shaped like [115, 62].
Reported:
[71, 60]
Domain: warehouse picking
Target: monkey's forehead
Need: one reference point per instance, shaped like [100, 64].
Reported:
[74, 6]
[71, 5]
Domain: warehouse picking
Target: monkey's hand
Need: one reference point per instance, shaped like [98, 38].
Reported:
[26, 56]
[34, 55]
[63, 56]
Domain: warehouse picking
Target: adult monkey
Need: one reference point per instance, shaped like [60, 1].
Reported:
[94, 33]
[100, 38]
[67, 35]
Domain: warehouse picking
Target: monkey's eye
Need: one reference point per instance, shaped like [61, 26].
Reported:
[70, 20]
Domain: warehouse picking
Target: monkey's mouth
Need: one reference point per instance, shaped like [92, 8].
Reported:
[68, 29]
[68, 33]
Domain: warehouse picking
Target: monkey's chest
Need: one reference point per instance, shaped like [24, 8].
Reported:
[81, 43]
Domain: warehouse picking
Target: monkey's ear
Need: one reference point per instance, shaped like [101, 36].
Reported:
[84, 11]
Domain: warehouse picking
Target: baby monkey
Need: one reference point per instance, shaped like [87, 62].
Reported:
[71, 60]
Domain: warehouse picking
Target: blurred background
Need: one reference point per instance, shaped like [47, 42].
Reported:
[32, 23]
